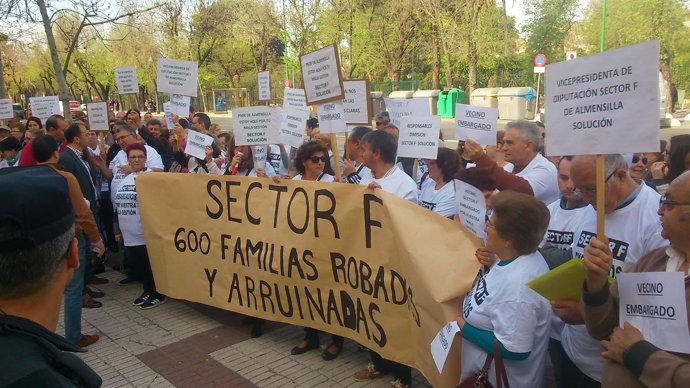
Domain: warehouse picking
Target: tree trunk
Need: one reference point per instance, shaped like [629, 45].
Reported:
[52, 46]
[448, 66]
[436, 67]
[472, 65]
[665, 68]
[3, 88]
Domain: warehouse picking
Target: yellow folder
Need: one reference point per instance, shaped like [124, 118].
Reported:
[561, 283]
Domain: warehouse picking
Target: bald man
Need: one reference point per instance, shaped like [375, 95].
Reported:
[632, 361]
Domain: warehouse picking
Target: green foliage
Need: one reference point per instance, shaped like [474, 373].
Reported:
[548, 24]
[630, 22]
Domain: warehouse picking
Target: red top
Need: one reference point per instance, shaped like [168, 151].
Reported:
[27, 156]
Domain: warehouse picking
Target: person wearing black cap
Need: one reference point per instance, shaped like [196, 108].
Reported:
[38, 257]
[45, 150]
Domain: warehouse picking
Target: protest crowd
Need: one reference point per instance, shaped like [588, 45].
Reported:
[70, 194]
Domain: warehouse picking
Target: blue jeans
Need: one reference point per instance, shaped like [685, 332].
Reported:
[73, 295]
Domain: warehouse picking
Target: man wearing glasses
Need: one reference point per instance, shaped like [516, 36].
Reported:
[633, 230]
[124, 137]
[635, 360]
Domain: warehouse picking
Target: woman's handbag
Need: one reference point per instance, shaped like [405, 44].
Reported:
[481, 378]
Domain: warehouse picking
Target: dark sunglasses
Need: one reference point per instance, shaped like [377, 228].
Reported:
[317, 159]
[636, 159]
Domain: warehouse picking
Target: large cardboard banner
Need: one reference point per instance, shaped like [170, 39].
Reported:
[341, 258]
[357, 102]
[177, 77]
[97, 113]
[264, 85]
[256, 125]
[397, 109]
[605, 103]
[321, 75]
[126, 79]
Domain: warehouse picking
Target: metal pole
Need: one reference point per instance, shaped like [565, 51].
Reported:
[536, 104]
[285, 54]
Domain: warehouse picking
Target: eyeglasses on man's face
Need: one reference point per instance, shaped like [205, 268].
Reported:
[670, 204]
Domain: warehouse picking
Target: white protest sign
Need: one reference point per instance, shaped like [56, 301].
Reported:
[179, 105]
[6, 109]
[264, 86]
[477, 123]
[321, 75]
[196, 144]
[397, 109]
[126, 79]
[357, 103]
[259, 154]
[440, 345]
[605, 103]
[44, 107]
[167, 115]
[654, 302]
[419, 137]
[256, 125]
[471, 206]
[294, 98]
[177, 77]
[331, 117]
[97, 113]
[292, 127]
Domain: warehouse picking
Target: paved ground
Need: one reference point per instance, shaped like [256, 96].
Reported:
[183, 344]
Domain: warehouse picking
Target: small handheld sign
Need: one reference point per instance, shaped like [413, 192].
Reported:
[6, 109]
[321, 75]
[256, 125]
[98, 116]
[357, 102]
[264, 78]
[126, 79]
[177, 77]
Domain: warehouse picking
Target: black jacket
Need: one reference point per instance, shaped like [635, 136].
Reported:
[32, 356]
[71, 163]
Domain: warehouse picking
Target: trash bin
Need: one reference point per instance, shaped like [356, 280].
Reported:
[378, 105]
[516, 103]
[441, 105]
[431, 96]
[486, 97]
[452, 97]
[401, 94]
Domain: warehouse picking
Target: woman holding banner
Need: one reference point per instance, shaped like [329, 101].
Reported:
[127, 207]
[438, 192]
[313, 163]
[501, 312]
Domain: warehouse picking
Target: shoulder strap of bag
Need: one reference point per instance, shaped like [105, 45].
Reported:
[501, 375]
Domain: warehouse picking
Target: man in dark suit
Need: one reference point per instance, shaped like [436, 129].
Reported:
[78, 161]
